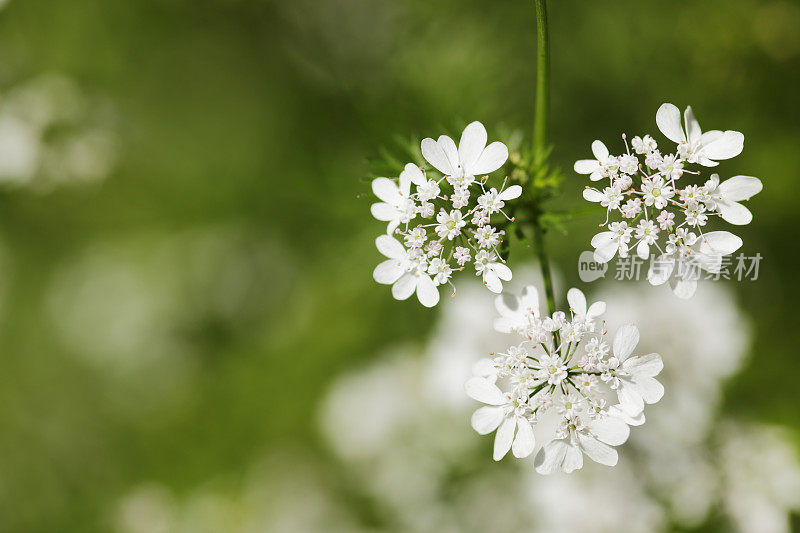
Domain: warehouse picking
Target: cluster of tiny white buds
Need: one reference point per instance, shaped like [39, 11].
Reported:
[566, 370]
[439, 225]
[658, 210]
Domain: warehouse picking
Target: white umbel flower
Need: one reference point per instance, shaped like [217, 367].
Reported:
[563, 382]
[663, 221]
[445, 227]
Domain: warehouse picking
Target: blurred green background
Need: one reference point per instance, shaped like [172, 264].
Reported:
[185, 242]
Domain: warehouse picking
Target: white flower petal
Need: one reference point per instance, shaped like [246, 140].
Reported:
[433, 154]
[629, 399]
[592, 195]
[719, 242]
[383, 211]
[390, 247]
[632, 420]
[529, 299]
[450, 151]
[586, 166]
[404, 287]
[387, 190]
[485, 391]
[643, 250]
[597, 451]
[595, 310]
[740, 188]
[388, 272]
[602, 239]
[413, 174]
[503, 438]
[524, 442]
[472, 143]
[625, 340]
[502, 271]
[684, 287]
[668, 119]
[650, 389]
[427, 293]
[550, 456]
[491, 281]
[510, 193]
[611, 430]
[726, 146]
[692, 126]
[605, 253]
[599, 150]
[573, 459]
[660, 270]
[644, 365]
[577, 301]
[734, 213]
[493, 157]
[486, 419]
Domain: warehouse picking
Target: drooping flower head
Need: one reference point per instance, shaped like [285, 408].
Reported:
[566, 381]
[663, 216]
[437, 224]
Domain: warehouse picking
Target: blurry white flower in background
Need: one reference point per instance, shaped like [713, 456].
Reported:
[400, 428]
[137, 307]
[282, 494]
[51, 133]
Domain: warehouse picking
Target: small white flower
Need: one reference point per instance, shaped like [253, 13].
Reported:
[487, 237]
[646, 232]
[629, 164]
[595, 439]
[405, 272]
[492, 271]
[643, 145]
[727, 195]
[461, 255]
[608, 243]
[428, 191]
[551, 369]
[396, 206]
[695, 215]
[507, 413]
[636, 374]
[440, 270]
[666, 219]
[450, 224]
[656, 192]
[694, 145]
[603, 166]
[631, 208]
[416, 238]
[610, 197]
[471, 158]
[687, 255]
[522, 316]
[460, 197]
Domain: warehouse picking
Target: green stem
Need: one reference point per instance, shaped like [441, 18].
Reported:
[544, 263]
[540, 138]
[542, 103]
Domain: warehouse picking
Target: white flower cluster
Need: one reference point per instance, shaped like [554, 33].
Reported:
[653, 200]
[455, 225]
[566, 378]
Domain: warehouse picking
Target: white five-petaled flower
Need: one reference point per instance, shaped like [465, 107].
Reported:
[397, 206]
[682, 268]
[727, 195]
[471, 158]
[694, 145]
[540, 383]
[489, 267]
[405, 271]
[603, 166]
